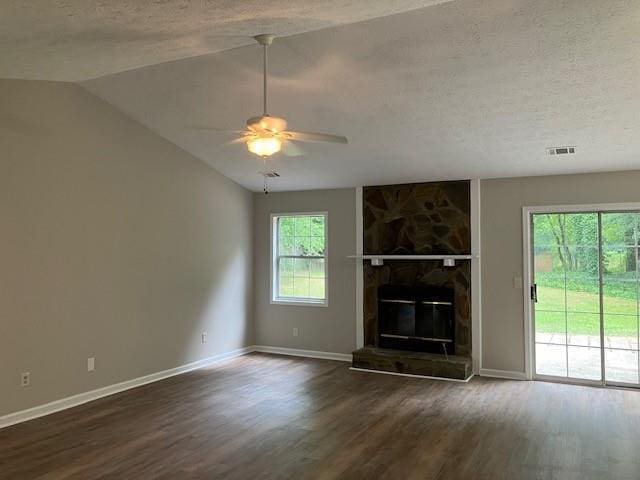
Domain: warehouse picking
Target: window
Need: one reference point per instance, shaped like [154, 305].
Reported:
[299, 271]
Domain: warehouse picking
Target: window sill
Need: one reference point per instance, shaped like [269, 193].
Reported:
[300, 303]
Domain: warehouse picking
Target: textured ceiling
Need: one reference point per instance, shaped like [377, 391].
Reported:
[75, 40]
[463, 89]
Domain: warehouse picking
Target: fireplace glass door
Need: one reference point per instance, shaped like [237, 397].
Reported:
[436, 321]
[397, 317]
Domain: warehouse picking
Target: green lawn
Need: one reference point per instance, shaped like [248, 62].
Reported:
[583, 317]
[304, 287]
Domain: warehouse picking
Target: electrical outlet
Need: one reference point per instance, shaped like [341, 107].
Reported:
[517, 282]
[91, 364]
[25, 379]
[204, 337]
[295, 331]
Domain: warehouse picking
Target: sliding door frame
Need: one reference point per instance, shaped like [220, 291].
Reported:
[528, 271]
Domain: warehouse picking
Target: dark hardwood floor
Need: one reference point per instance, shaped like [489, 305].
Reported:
[274, 417]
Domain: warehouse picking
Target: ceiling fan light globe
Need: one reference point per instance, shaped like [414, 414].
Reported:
[264, 146]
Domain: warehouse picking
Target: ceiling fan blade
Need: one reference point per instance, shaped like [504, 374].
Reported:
[290, 149]
[238, 140]
[315, 137]
[214, 129]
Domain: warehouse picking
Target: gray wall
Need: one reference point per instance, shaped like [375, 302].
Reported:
[502, 201]
[114, 243]
[329, 329]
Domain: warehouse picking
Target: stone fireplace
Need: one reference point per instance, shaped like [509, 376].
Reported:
[416, 308]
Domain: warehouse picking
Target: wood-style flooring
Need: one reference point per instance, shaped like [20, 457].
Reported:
[275, 417]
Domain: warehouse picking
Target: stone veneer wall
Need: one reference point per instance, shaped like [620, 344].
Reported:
[418, 219]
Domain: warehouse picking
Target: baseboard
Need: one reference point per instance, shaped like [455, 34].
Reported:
[412, 375]
[506, 374]
[343, 357]
[79, 399]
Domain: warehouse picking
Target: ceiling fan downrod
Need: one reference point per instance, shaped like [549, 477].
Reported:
[264, 39]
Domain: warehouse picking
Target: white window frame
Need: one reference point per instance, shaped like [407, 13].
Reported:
[306, 302]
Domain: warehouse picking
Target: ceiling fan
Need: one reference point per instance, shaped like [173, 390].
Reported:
[266, 135]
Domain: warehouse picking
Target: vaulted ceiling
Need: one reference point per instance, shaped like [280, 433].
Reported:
[72, 40]
[460, 89]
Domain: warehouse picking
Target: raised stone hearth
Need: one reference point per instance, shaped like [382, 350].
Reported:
[414, 363]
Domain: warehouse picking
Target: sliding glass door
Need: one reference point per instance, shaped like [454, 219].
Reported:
[585, 290]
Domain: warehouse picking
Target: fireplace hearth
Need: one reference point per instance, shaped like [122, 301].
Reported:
[419, 318]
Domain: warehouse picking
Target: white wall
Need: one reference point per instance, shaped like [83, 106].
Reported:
[114, 243]
[502, 258]
[328, 329]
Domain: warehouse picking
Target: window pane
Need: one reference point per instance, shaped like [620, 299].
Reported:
[551, 293]
[620, 262]
[551, 360]
[317, 226]
[621, 331]
[287, 246]
[619, 297]
[584, 363]
[303, 226]
[621, 365]
[316, 246]
[582, 293]
[618, 229]
[286, 226]
[286, 267]
[316, 288]
[316, 268]
[286, 287]
[583, 329]
[301, 267]
[551, 327]
[301, 287]
[301, 246]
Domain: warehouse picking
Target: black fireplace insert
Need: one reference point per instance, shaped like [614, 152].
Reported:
[416, 318]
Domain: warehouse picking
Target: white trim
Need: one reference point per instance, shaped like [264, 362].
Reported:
[527, 211]
[301, 302]
[411, 257]
[476, 275]
[295, 352]
[79, 399]
[359, 271]
[427, 377]
[590, 207]
[526, 293]
[505, 374]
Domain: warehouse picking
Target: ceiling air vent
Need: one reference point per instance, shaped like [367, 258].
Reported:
[561, 150]
[272, 174]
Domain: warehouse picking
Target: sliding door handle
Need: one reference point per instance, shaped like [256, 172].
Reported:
[534, 293]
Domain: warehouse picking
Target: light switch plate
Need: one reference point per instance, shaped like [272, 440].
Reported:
[517, 282]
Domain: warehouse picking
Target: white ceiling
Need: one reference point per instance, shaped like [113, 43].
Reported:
[469, 88]
[73, 40]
